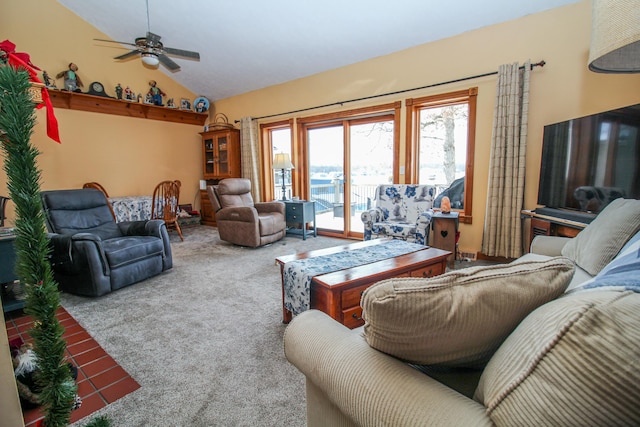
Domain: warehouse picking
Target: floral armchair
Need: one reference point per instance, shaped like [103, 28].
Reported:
[401, 211]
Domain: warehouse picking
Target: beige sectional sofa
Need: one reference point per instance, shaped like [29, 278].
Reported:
[552, 338]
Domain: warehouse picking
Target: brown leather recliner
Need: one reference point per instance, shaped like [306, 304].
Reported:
[240, 220]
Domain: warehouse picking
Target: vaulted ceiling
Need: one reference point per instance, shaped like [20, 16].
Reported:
[246, 45]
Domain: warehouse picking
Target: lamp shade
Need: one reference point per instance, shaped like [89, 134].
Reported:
[282, 161]
[150, 59]
[615, 36]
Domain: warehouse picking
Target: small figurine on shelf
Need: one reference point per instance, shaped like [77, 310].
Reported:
[170, 103]
[140, 98]
[185, 104]
[47, 80]
[156, 93]
[148, 99]
[128, 95]
[119, 91]
[72, 81]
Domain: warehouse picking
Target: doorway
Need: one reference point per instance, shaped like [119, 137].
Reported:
[347, 159]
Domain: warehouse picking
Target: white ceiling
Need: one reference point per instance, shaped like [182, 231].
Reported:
[246, 45]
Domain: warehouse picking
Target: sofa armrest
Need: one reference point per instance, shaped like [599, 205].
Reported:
[372, 215]
[368, 386]
[268, 207]
[368, 217]
[68, 251]
[548, 245]
[239, 213]
[423, 226]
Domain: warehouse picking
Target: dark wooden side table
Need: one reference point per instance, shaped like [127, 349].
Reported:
[445, 228]
[7, 273]
[301, 212]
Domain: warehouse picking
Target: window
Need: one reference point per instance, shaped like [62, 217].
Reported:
[441, 144]
[346, 155]
[276, 139]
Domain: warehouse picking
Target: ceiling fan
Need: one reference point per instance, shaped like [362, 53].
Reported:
[152, 51]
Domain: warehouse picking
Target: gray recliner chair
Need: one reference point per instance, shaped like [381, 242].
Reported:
[240, 220]
[93, 255]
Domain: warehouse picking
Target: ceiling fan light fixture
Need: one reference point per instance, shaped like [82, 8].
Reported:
[150, 59]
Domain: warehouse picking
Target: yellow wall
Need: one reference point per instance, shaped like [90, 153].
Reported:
[563, 89]
[128, 156]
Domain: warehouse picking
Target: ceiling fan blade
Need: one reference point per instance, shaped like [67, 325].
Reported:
[114, 41]
[167, 62]
[128, 54]
[182, 52]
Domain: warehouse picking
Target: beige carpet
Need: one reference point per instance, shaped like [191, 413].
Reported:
[204, 340]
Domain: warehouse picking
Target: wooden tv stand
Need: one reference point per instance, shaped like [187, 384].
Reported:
[545, 225]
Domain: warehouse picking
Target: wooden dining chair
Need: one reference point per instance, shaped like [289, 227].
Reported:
[101, 188]
[96, 186]
[164, 205]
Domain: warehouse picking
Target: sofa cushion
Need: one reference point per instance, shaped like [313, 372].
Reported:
[620, 274]
[596, 245]
[573, 361]
[131, 249]
[461, 317]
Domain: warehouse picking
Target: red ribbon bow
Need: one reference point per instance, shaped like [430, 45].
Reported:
[21, 59]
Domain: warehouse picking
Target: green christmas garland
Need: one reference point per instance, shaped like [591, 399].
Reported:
[17, 120]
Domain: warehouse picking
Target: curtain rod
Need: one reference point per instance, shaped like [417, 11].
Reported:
[477, 76]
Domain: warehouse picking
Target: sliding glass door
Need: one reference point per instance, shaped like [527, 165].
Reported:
[326, 175]
[347, 159]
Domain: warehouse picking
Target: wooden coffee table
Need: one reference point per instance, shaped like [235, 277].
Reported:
[338, 293]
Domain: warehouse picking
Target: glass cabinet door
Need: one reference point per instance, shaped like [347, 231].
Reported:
[223, 156]
[208, 157]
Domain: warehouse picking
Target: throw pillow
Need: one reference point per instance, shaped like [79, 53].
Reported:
[596, 245]
[575, 361]
[459, 318]
[623, 273]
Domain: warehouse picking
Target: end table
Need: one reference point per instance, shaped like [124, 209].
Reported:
[445, 229]
[301, 212]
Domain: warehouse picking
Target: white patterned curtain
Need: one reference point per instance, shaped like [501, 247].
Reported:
[502, 225]
[250, 145]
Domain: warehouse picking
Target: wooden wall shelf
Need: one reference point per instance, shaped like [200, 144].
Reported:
[99, 104]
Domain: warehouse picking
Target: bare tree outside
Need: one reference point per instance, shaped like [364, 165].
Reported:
[443, 142]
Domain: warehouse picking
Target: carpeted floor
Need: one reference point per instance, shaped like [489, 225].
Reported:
[203, 340]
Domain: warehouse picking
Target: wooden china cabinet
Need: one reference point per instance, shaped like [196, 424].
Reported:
[220, 160]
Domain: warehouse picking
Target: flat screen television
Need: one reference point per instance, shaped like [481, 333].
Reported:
[589, 161]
